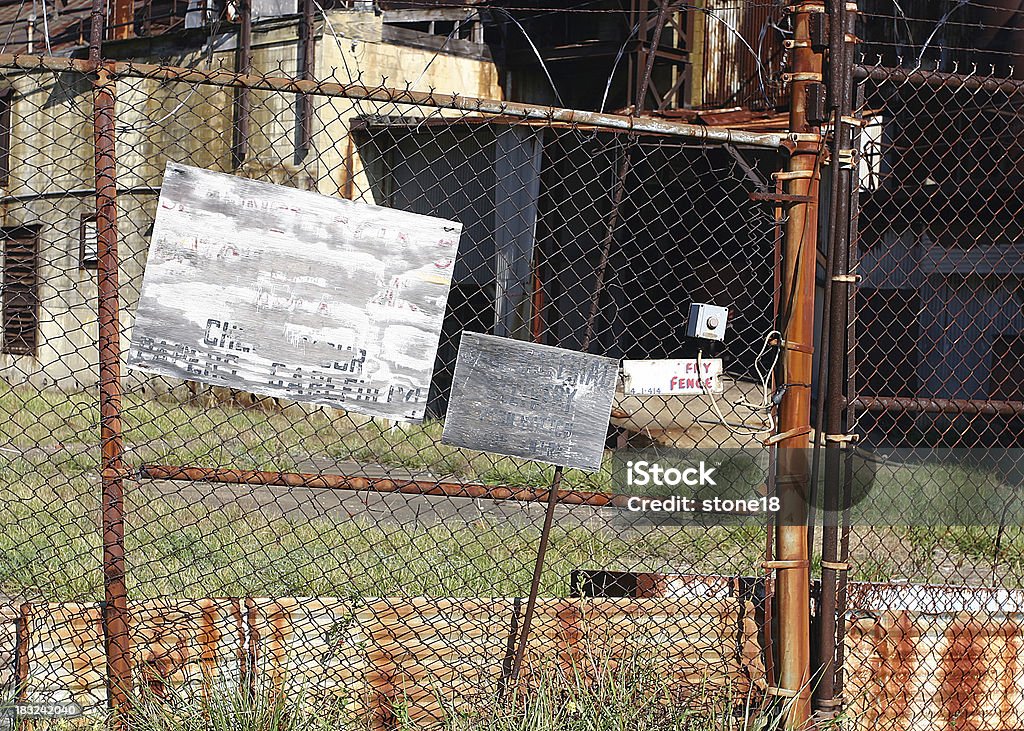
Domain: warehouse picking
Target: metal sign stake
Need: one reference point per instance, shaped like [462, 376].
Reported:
[538, 568]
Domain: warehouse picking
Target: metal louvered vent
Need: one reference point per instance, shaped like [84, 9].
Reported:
[20, 303]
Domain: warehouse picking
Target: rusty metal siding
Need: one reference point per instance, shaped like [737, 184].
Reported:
[377, 653]
[181, 644]
[731, 75]
[911, 671]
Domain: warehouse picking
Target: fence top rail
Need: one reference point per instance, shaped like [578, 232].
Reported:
[939, 79]
[381, 93]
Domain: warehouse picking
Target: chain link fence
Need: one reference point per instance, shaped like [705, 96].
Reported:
[934, 368]
[274, 546]
[269, 548]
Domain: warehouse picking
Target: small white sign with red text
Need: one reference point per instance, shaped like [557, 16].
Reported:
[684, 377]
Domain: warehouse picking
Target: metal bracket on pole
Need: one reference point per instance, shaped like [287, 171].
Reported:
[848, 158]
[791, 434]
[789, 345]
[796, 563]
[842, 438]
[784, 692]
[807, 7]
[804, 137]
[790, 77]
[836, 565]
[794, 175]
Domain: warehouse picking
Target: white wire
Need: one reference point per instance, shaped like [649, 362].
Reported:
[455, 30]
[942, 22]
[46, 30]
[765, 406]
[337, 41]
[536, 52]
[615, 65]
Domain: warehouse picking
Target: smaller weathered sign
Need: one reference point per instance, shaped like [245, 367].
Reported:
[685, 377]
[527, 400]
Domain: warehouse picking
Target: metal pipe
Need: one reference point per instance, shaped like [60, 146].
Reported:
[452, 101]
[849, 424]
[240, 144]
[306, 100]
[793, 566]
[649, 125]
[97, 29]
[834, 314]
[538, 570]
[849, 414]
[771, 488]
[47, 194]
[648, 54]
[375, 484]
[938, 79]
[638, 16]
[115, 610]
[23, 641]
[916, 405]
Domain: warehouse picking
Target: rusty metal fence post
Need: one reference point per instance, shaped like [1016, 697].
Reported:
[832, 372]
[112, 469]
[792, 561]
[115, 610]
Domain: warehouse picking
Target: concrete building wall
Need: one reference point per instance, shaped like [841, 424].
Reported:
[52, 180]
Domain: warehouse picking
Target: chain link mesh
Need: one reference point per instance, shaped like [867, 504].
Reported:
[935, 366]
[376, 569]
[273, 548]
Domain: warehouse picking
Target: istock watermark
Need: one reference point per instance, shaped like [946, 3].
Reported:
[687, 486]
[864, 484]
[643, 473]
[717, 505]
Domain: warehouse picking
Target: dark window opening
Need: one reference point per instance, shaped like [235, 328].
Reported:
[6, 99]
[20, 303]
[88, 243]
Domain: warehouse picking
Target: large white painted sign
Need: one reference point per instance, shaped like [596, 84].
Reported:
[292, 294]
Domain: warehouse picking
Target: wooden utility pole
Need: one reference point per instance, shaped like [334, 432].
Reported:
[792, 563]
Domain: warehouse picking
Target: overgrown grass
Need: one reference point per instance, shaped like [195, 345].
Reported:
[185, 546]
[50, 547]
[181, 545]
[620, 696]
[169, 431]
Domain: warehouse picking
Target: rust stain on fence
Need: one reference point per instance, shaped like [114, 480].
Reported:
[921, 656]
[432, 656]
